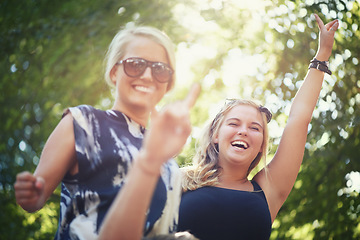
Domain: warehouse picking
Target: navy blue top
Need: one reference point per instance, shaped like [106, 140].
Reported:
[106, 143]
[220, 213]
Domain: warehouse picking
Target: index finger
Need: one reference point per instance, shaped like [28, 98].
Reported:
[193, 95]
[333, 25]
[319, 22]
[25, 176]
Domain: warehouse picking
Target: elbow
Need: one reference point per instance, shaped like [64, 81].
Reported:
[299, 121]
[30, 209]
[303, 115]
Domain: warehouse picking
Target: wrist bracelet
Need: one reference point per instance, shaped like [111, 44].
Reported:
[320, 65]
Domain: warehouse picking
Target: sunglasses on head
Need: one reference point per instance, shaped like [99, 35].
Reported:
[135, 67]
[263, 109]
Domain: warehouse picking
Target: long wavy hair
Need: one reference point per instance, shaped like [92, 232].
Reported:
[205, 169]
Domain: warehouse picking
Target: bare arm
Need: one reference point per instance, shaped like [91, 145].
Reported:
[58, 156]
[166, 136]
[283, 169]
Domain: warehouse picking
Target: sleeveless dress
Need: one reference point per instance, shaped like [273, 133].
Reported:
[219, 213]
[106, 143]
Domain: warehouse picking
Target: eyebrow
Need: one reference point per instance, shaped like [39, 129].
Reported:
[238, 120]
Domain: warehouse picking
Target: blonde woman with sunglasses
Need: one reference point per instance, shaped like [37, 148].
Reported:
[109, 158]
[220, 201]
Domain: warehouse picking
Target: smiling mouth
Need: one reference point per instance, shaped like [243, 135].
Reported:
[240, 144]
[143, 89]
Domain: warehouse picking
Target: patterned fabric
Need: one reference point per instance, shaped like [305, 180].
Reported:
[214, 213]
[106, 143]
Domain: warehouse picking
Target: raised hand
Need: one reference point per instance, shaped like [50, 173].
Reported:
[29, 191]
[326, 38]
[168, 132]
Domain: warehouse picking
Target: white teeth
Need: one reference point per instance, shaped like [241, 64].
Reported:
[241, 144]
[144, 89]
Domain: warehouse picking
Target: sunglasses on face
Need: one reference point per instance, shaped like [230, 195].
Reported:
[135, 67]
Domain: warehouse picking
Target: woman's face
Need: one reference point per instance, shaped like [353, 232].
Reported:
[139, 95]
[240, 136]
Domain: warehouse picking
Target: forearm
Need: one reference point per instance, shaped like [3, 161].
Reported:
[127, 215]
[307, 96]
[168, 132]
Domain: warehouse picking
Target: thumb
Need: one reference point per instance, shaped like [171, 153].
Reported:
[40, 183]
[334, 26]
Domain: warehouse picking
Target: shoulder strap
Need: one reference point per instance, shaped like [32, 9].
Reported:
[255, 185]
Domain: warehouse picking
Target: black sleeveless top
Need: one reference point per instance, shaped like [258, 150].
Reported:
[219, 213]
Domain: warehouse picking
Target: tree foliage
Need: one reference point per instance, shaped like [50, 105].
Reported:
[51, 58]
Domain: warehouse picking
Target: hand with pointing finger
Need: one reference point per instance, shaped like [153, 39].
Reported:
[168, 132]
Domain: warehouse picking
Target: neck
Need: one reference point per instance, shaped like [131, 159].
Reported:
[233, 172]
[235, 182]
[141, 116]
[234, 178]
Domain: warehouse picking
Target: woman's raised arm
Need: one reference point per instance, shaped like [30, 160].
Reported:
[283, 169]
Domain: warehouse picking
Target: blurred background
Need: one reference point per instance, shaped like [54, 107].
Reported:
[51, 58]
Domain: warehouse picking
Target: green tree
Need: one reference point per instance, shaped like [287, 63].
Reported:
[52, 58]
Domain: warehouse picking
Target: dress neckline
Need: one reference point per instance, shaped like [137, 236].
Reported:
[255, 185]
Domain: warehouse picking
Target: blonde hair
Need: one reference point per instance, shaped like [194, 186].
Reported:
[205, 169]
[117, 48]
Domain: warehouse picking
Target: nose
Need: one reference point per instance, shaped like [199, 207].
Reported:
[147, 75]
[242, 131]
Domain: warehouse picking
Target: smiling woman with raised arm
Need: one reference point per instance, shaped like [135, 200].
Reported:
[219, 200]
[99, 156]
